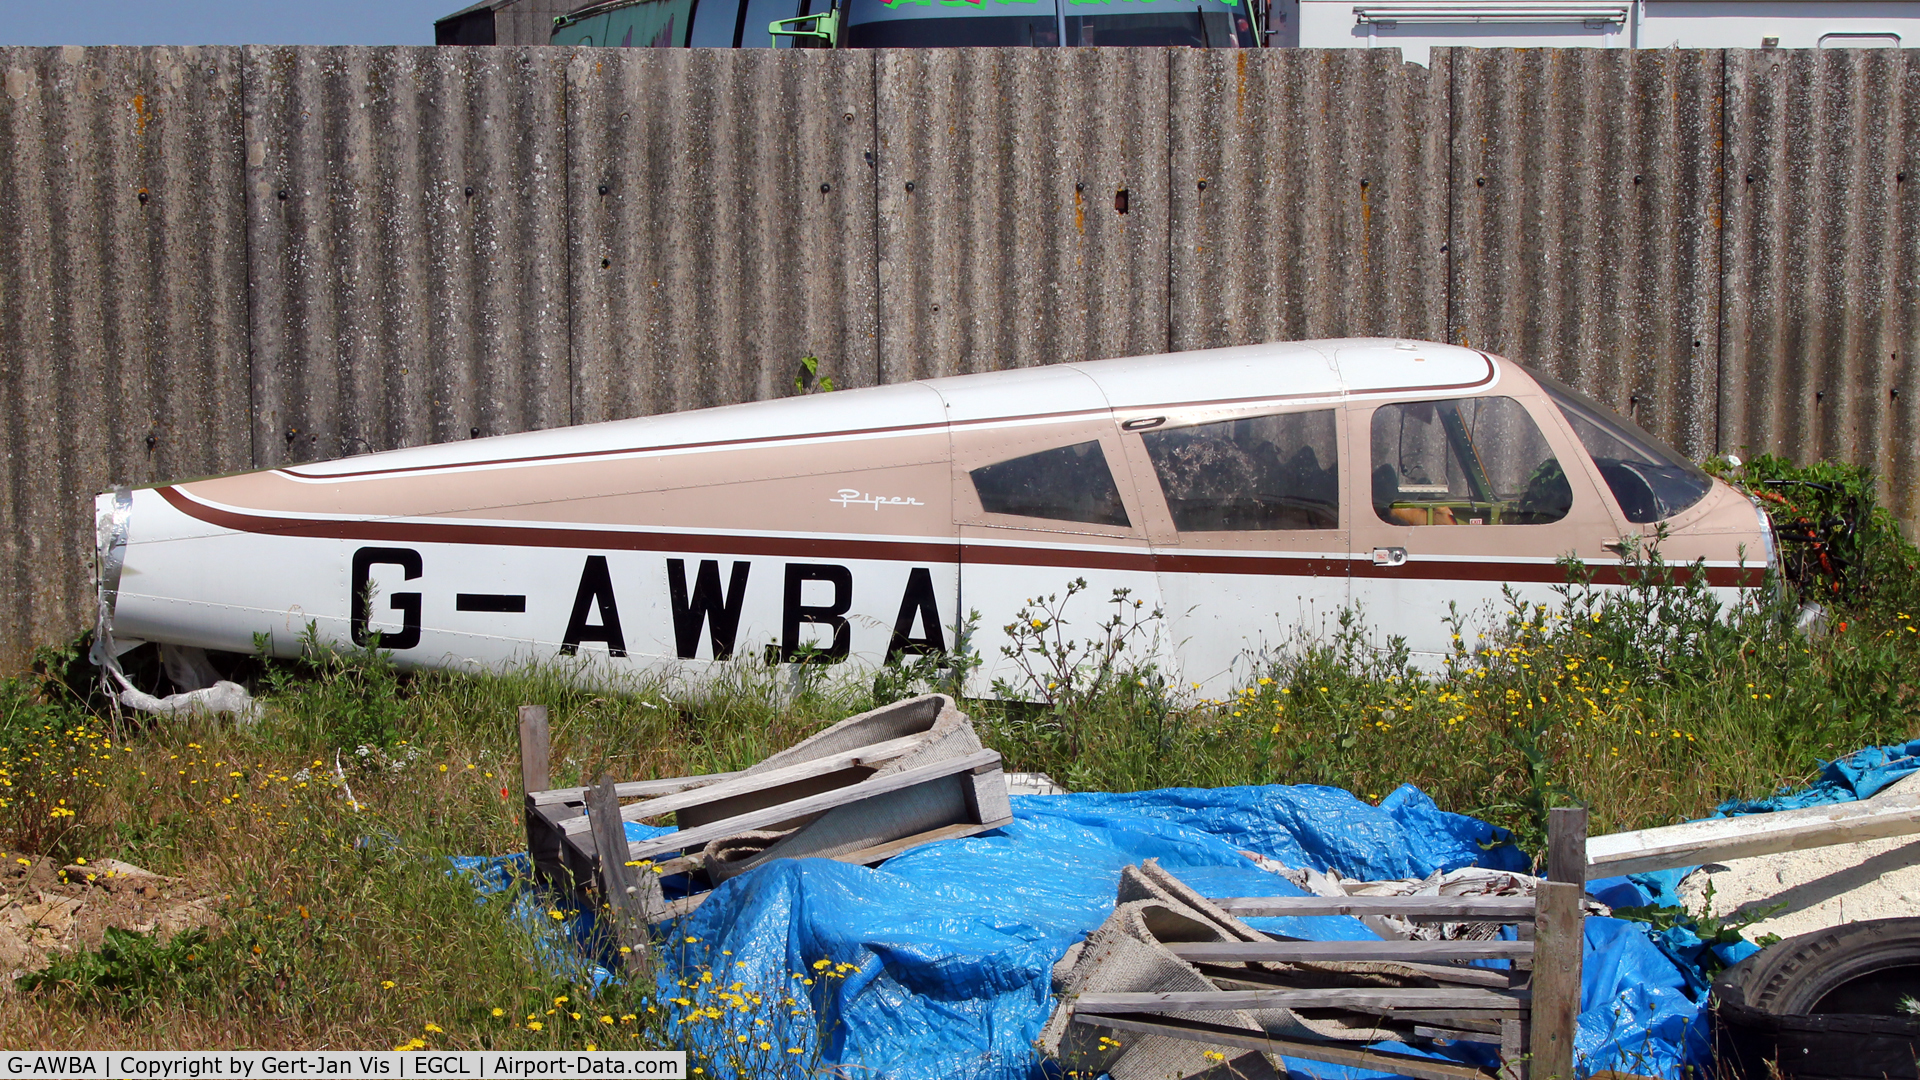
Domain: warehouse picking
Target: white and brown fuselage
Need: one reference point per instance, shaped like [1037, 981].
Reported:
[864, 523]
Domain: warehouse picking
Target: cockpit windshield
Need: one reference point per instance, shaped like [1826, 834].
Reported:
[1650, 479]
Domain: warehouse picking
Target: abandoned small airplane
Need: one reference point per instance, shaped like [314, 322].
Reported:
[1248, 493]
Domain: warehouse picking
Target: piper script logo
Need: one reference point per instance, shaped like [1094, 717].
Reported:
[850, 497]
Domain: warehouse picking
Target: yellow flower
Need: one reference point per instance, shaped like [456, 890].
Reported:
[435, 1028]
[534, 1025]
[497, 1011]
[386, 984]
[606, 1019]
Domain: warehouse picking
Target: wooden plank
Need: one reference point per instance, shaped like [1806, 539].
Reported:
[534, 771]
[1721, 839]
[987, 795]
[1471, 1019]
[867, 856]
[624, 894]
[826, 800]
[1332, 1053]
[1556, 981]
[686, 905]
[1513, 1048]
[743, 783]
[1567, 845]
[1282, 952]
[632, 789]
[1457, 1034]
[1503, 909]
[1366, 1000]
[1256, 978]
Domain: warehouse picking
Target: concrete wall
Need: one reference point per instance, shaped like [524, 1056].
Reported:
[217, 259]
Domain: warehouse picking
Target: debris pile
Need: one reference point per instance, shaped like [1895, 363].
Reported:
[1174, 982]
[862, 791]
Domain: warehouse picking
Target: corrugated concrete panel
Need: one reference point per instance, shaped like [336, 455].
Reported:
[122, 302]
[406, 209]
[1822, 249]
[1309, 195]
[1585, 238]
[1001, 237]
[722, 224]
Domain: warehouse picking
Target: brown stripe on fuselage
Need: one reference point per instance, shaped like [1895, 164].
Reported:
[1548, 573]
[1139, 560]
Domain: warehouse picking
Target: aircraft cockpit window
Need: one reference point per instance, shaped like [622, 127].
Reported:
[1649, 478]
[1468, 461]
[1264, 472]
[1068, 483]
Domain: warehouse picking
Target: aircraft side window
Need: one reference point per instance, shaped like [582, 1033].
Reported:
[1264, 472]
[1468, 461]
[1067, 483]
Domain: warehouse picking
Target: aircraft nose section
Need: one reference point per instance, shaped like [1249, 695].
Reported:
[112, 515]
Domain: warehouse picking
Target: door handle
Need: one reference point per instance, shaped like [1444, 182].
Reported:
[1389, 556]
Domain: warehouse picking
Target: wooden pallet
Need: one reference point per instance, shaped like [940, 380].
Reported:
[838, 802]
[1529, 1010]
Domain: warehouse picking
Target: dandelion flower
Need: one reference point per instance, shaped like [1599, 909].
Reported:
[497, 1011]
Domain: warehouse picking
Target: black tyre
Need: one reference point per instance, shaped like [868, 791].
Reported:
[1823, 1006]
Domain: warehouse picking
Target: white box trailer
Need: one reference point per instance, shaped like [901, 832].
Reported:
[1417, 27]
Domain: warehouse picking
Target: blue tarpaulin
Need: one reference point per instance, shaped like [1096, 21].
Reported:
[938, 964]
[1859, 775]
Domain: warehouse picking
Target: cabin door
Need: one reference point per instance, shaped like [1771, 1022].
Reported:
[1050, 527]
[1249, 534]
[1462, 504]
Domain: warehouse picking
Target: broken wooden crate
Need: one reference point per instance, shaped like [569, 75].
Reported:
[1173, 973]
[864, 790]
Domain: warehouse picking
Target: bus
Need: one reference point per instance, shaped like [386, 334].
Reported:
[872, 24]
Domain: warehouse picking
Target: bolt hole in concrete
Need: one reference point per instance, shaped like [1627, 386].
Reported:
[1120, 201]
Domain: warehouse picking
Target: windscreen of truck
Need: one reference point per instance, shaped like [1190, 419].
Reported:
[654, 24]
[1212, 24]
[1651, 480]
[913, 24]
[946, 23]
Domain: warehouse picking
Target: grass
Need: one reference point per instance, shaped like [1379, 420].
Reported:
[344, 929]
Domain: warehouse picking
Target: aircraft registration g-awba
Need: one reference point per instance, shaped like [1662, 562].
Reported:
[1249, 493]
